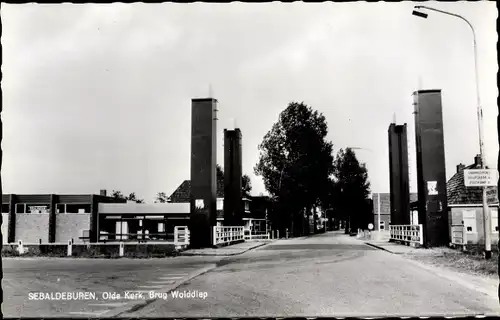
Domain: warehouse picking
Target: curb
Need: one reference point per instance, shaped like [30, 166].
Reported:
[134, 306]
[379, 247]
[222, 254]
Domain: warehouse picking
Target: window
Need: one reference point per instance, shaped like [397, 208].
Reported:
[382, 225]
[469, 218]
[247, 206]
[60, 208]
[494, 219]
[220, 203]
[32, 208]
[5, 208]
[161, 227]
[77, 208]
[20, 208]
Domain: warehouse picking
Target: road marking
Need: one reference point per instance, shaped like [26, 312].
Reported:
[83, 313]
[162, 282]
[110, 304]
[151, 287]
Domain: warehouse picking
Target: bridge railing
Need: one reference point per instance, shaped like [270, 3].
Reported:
[227, 235]
[182, 236]
[459, 236]
[407, 233]
[256, 235]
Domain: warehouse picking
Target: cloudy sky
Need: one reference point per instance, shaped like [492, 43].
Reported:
[99, 96]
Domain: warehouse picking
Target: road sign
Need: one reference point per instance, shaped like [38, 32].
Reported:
[480, 177]
[370, 226]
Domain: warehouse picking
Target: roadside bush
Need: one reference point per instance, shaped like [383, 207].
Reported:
[94, 251]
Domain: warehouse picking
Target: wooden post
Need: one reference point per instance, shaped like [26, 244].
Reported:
[20, 247]
[70, 248]
[121, 251]
[464, 237]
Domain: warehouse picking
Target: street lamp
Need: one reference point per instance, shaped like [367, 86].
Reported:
[486, 218]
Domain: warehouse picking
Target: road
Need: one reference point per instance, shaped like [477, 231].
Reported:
[325, 275]
[126, 277]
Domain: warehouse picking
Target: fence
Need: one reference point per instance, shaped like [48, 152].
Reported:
[459, 236]
[181, 239]
[227, 235]
[407, 233]
[256, 235]
[182, 236]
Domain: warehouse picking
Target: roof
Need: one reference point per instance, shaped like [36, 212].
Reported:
[459, 194]
[141, 208]
[427, 91]
[183, 192]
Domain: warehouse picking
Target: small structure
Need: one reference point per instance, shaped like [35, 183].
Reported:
[141, 222]
[382, 202]
[254, 214]
[465, 206]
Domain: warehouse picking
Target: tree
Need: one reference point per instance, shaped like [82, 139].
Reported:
[295, 163]
[132, 197]
[246, 185]
[353, 188]
[161, 197]
[118, 195]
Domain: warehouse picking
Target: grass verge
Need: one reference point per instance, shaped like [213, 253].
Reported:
[472, 261]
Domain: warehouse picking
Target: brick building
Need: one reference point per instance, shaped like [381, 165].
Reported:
[51, 218]
[466, 204]
[254, 207]
[382, 201]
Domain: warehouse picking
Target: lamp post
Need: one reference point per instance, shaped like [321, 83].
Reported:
[486, 217]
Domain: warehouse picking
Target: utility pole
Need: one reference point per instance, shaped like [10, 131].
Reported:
[486, 214]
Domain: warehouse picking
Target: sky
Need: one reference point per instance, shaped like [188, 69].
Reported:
[98, 96]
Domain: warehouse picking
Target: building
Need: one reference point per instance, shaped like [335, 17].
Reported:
[399, 175]
[140, 221]
[203, 203]
[253, 217]
[233, 209]
[56, 218]
[431, 170]
[382, 202]
[52, 218]
[465, 204]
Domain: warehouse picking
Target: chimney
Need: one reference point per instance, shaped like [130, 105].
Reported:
[477, 160]
[460, 168]
[103, 192]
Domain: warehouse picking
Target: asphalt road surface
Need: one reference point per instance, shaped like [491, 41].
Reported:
[326, 275]
[26, 281]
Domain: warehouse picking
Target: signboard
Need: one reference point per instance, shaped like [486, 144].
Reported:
[370, 226]
[480, 177]
[432, 188]
[38, 209]
[199, 204]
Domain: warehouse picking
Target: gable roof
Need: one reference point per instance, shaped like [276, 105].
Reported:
[183, 192]
[457, 193]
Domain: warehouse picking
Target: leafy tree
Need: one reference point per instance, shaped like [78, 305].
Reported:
[353, 188]
[246, 185]
[220, 173]
[161, 197]
[295, 163]
[118, 195]
[132, 197]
